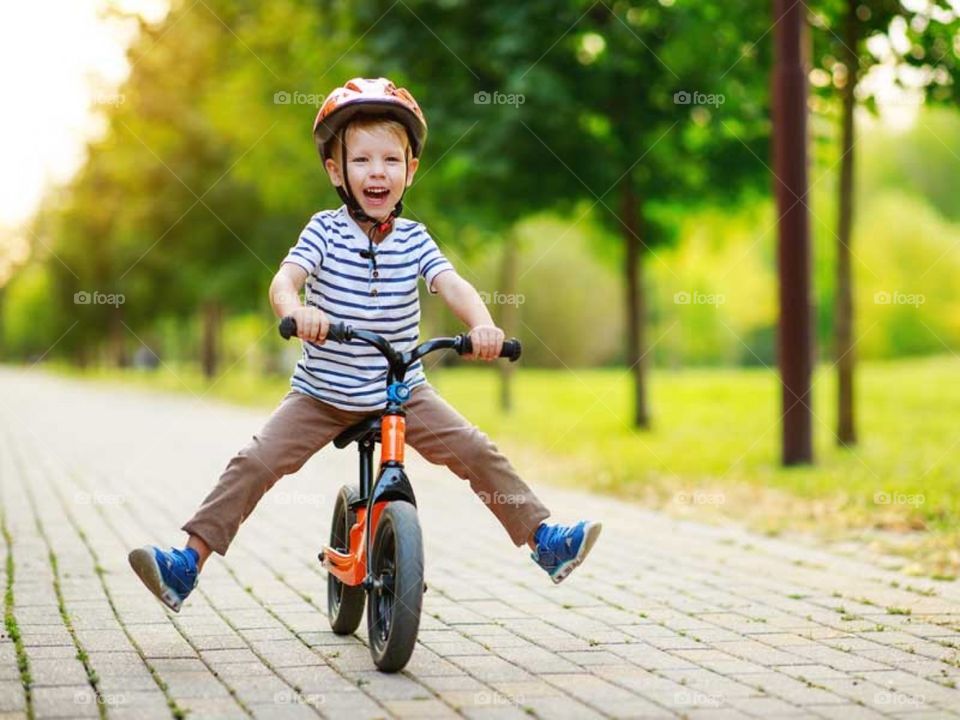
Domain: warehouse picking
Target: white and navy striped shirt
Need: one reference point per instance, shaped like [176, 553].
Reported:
[378, 294]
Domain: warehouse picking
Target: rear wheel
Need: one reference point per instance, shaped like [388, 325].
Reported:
[344, 602]
[393, 610]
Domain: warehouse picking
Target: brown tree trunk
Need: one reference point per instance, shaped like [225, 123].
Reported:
[843, 308]
[635, 316]
[118, 337]
[509, 313]
[210, 349]
[795, 339]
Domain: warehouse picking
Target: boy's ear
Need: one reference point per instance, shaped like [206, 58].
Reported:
[333, 171]
[412, 166]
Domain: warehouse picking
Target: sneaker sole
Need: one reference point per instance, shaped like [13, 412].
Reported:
[144, 564]
[591, 535]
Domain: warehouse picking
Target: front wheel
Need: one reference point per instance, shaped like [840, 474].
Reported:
[344, 602]
[393, 609]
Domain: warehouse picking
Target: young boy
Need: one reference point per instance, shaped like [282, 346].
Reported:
[361, 264]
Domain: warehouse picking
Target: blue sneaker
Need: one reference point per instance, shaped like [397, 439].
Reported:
[561, 548]
[168, 575]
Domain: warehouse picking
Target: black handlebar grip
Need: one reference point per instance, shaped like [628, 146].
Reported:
[288, 327]
[511, 348]
[339, 332]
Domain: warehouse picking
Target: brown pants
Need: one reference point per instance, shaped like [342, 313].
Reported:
[301, 425]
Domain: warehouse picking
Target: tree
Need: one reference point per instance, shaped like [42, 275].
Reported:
[641, 110]
[907, 35]
[201, 179]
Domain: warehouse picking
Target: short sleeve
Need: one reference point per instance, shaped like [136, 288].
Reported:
[311, 247]
[432, 262]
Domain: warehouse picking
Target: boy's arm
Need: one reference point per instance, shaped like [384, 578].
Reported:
[464, 301]
[312, 322]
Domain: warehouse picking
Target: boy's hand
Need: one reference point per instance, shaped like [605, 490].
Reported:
[312, 324]
[487, 342]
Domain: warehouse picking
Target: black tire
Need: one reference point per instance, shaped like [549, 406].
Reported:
[393, 609]
[344, 602]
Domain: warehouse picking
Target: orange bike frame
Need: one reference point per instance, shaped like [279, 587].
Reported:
[351, 567]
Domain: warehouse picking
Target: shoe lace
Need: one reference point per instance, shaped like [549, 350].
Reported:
[554, 536]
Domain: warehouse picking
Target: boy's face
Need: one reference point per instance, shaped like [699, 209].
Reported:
[376, 168]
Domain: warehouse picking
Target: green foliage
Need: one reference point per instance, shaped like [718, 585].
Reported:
[570, 301]
[201, 180]
[906, 278]
[598, 85]
[920, 38]
[28, 324]
[921, 161]
[199, 118]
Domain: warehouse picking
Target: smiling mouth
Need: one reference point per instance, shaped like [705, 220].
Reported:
[376, 194]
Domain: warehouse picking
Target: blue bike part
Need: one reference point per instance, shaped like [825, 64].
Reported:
[398, 392]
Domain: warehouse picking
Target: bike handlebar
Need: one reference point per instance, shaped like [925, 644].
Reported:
[341, 332]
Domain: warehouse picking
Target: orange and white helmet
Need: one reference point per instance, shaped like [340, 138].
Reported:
[368, 96]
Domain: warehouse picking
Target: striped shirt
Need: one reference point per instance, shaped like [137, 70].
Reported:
[378, 294]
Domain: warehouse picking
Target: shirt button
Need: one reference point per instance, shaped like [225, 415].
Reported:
[374, 292]
[376, 273]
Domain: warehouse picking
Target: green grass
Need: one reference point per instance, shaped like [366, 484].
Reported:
[10, 621]
[713, 450]
[715, 443]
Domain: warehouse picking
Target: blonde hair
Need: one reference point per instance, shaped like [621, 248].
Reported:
[371, 122]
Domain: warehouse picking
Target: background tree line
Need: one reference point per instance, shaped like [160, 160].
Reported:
[634, 174]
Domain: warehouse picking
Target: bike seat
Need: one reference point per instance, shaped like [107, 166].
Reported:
[368, 426]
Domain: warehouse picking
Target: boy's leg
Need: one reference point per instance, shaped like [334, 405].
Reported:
[298, 428]
[444, 437]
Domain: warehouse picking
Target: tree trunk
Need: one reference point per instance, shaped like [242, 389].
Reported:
[635, 315]
[843, 307]
[795, 339]
[210, 351]
[509, 313]
[118, 337]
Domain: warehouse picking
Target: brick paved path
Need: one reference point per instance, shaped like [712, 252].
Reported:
[668, 619]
